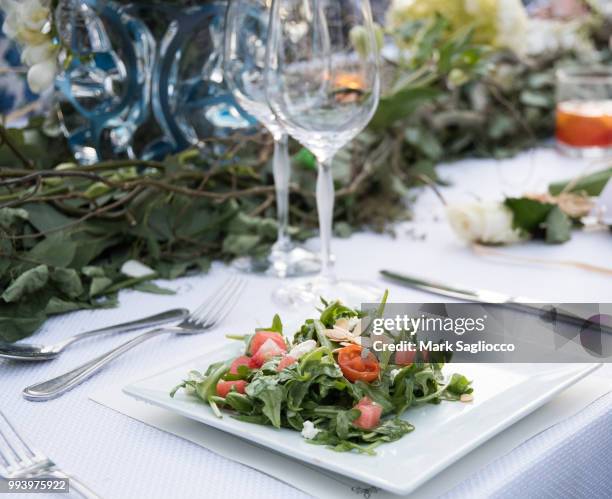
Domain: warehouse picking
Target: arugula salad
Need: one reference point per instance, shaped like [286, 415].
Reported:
[324, 384]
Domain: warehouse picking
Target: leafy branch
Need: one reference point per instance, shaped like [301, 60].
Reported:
[67, 230]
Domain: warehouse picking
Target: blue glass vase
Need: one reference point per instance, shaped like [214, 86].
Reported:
[143, 80]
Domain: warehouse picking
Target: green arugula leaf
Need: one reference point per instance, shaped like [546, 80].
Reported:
[459, 385]
[271, 393]
[276, 327]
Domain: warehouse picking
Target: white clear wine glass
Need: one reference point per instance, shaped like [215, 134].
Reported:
[323, 86]
[246, 34]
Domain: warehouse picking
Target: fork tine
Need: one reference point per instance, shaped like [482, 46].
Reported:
[13, 449]
[226, 307]
[210, 302]
[217, 297]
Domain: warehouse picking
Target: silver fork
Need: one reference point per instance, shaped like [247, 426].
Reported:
[205, 317]
[18, 460]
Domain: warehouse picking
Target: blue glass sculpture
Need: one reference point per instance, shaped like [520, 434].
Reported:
[142, 80]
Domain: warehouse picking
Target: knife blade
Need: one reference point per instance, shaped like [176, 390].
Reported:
[522, 304]
[480, 296]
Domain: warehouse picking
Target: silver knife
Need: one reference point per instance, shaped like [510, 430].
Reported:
[523, 304]
[480, 296]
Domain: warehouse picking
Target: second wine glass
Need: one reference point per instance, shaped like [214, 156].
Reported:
[246, 33]
[323, 85]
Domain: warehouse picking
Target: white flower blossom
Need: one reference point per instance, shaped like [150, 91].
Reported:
[42, 75]
[28, 22]
[484, 222]
[549, 36]
[500, 23]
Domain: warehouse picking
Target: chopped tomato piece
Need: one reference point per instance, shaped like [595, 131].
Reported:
[286, 361]
[265, 352]
[355, 367]
[370, 414]
[240, 361]
[262, 336]
[405, 358]
[224, 387]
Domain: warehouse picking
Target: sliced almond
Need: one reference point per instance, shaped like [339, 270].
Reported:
[466, 397]
[343, 323]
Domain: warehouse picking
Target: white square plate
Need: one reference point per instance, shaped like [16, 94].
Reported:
[503, 394]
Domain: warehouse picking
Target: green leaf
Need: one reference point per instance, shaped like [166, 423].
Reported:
[240, 245]
[305, 159]
[239, 402]
[401, 105]
[172, 270]
[343, 230]
[149, 287]
[344, 422]
[271, 393]
[59, 306]
[98, 285]
[93, 271]
[276, 327]
[11, 216]
[46, 218]
[67, 281]
[19, 320]
[15, 328]
[56, 250]
[28, 282]
[529, 214]
[592, 184]
[558, 226]
[537, 99]
[459, 385]
[425, 141]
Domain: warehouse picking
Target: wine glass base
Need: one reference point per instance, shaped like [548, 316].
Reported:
[351, 293]
[293, 261]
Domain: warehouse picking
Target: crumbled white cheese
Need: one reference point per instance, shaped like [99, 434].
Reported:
[196, 377]
[309, 431]
[302, 348]
[393, 373]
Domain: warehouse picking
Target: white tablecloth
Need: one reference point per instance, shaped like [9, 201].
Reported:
[121, 458]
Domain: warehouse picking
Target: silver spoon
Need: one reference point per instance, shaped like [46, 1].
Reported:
[25, 352]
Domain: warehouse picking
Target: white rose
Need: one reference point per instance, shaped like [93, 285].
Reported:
[33, 54]
[34, 14]
[487, 223]
[26, 21]
[42, 75]
[512, 23]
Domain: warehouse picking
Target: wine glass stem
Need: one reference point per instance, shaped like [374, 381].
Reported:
[282, 174]
[325, 207]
